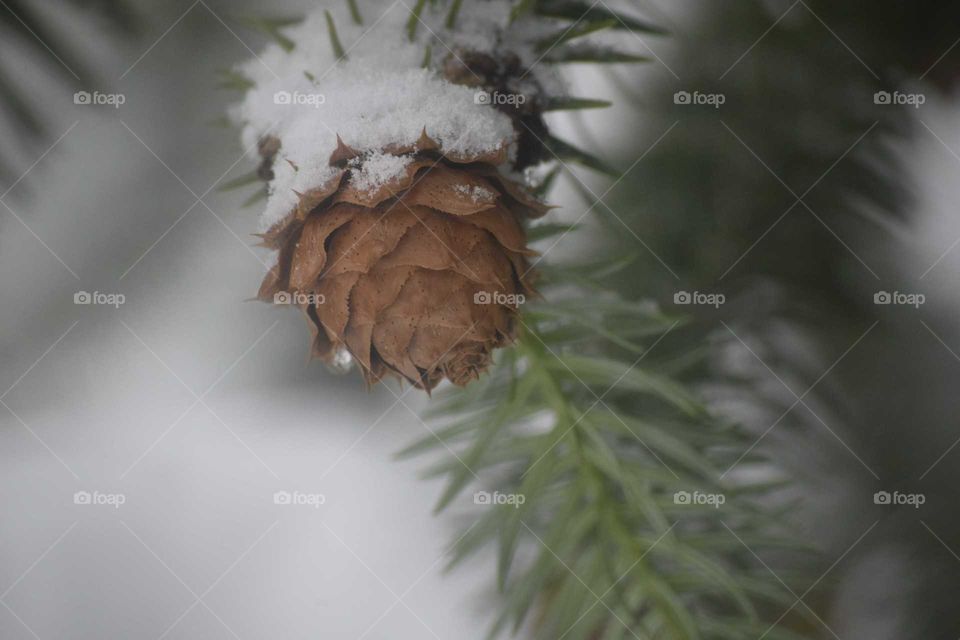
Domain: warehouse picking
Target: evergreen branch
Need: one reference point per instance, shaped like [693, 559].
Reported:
[591, 449]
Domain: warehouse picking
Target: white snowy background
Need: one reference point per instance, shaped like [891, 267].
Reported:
[198, 406]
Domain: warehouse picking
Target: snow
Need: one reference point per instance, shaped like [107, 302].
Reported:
[381, 95]
[377, 169]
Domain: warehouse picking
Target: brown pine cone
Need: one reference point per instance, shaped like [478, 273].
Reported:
[420, 277]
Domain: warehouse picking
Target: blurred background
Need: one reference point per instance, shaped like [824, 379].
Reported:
[799, 158]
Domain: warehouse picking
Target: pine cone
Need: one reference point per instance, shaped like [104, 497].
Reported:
[419, 277]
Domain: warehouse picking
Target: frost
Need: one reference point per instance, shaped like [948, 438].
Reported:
[381, 95]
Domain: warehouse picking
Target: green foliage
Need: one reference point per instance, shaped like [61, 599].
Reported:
[592, 432]
[580, 420]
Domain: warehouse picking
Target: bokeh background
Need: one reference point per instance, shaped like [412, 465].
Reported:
[799, 198]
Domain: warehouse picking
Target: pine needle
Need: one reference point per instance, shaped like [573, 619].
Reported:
[566, 103]
[427, 57]
[355, 12]
[454, 12]
[334, 38]
[414, 20]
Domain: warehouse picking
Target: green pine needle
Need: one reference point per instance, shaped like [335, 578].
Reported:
[355, 12]
[414, 20]
[242, 181]
[272, 27]
[522, 8]
[592, 54]
[567, 152]
[427, 57]
[453, 13]
[338, 50]
[570, 33]
[259, 196]
[564, 103]
[549, 230]
[234, 80]
[594, 12]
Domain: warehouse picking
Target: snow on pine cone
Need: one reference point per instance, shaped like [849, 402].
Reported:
[418, 277]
